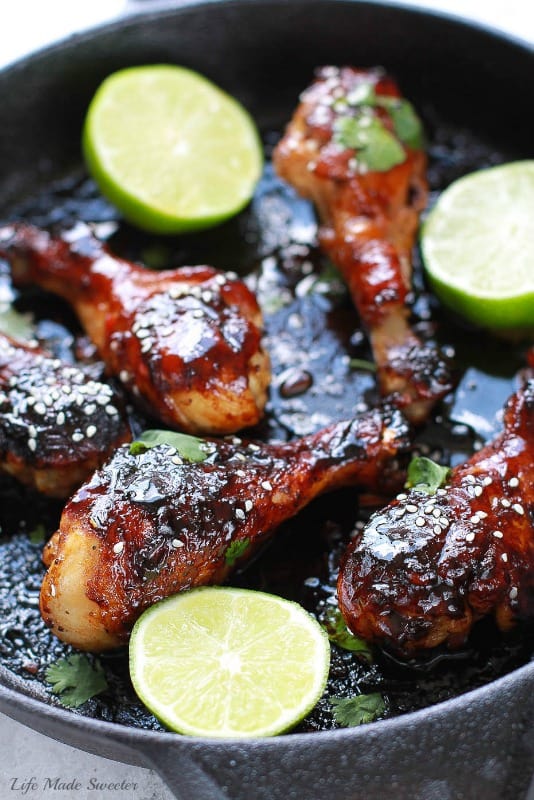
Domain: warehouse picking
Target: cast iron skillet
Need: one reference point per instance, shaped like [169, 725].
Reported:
[479, 744]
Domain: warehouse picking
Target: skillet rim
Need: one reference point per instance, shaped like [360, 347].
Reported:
[13, 700]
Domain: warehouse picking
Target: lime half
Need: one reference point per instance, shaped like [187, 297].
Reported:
[478, 247]
[223, 662]
[170, 149]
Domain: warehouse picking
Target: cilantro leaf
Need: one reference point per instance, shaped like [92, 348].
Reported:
[75, 679]
[190, 448]
[37, 535]
[358, 710]
[425, 475]
[406, 123]
[338, 633]
[378, 149]
[235, 550]
[362, 363]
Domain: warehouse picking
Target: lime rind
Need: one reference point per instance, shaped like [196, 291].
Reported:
[220, 662]
[171, 150]
[477, 245]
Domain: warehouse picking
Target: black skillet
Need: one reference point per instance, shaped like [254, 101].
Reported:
[473, 88]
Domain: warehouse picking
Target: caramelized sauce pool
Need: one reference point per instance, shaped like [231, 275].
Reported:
[319, 356]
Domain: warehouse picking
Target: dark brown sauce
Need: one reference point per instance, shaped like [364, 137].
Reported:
[318, 355]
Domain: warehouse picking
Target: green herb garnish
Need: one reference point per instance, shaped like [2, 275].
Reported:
[378, 149]
[332, 621]
[75, 679]
[15, 324]
[358, 710]
[362, 363]
[37, 535]
[235, 550]
[190, 448]
[425, 475]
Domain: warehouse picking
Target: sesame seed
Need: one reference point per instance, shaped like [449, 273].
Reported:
[142, 333]
[436, 529]
[470, 479]
[111, 411]
[90, 432]
[470, 537]
[498, 534]
[52, 590]
[518, 508]
[420, 521]
[504, 557]
[505, 502]
[513, 482]
[89, 409]
[248, 505]
[40, 408]
[399, 512]
[32, 444]
[513, 593]
[241, 456]
[198, 313]
[487, 481]
[267, 485]
[475, 519]
[60, 419]
[441, 492]
[253, 447]
[177, 543]
[482, 514]
[177, 460]
[241, 474]
[32, 431]
[444, 522]
[411, 508]
[402, 496]
[240, 514]
[478, 491]
[77, 436]
[436, 513]
[124, 375]
[118, 548]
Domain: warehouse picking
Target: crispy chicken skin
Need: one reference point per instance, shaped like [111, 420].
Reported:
[369, 222]
[147, 526]
[426, 568]
[186, 342]
[56, 424]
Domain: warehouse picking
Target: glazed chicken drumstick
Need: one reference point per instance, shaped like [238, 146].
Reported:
[354, 148]
[56, 424]
[427, 567]
[185, 341]
[152, 524]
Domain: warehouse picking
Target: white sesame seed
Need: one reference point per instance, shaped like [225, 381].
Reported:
[90, 432]
[420, 521]
[267, 485]
[436, 513]
[475, 519]
[118, 548]
[124, 375]
[32, 444]
[241, 474]
[513, 482]
[111, 411]
[142, 333]
[504, 557]
[177, 543]
[248, 505]
[32, 431]
[518, 508]
[253, 447]
[60, 419]
[470, 537]
[478, 491]
[240, 514]
[402, 496]
[89, 409]
[482, 514]
[436, 529]
[444, 522]
[470, 479]
[498, 534]
[487, 481]
[513, 593]
[241, 456]
[177, 460]
[40, 408]
[198, 313]
[441, 492]
[505, 502]
[411, 508]
[77, 436]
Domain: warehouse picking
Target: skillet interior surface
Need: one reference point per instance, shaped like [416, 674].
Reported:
[265, 53]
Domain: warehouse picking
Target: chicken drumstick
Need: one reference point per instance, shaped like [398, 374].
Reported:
[56, 424]
[427, 567]
[353, 147]
[185, 341]
[152, 524]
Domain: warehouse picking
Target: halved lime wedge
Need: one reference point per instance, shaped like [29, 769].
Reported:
[170, 149]
[478, 247]
[224, 662]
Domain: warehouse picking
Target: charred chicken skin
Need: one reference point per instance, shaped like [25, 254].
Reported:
[150, 525]
[56, 424]
[426, 568]
[186, 342]
[369, 218]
